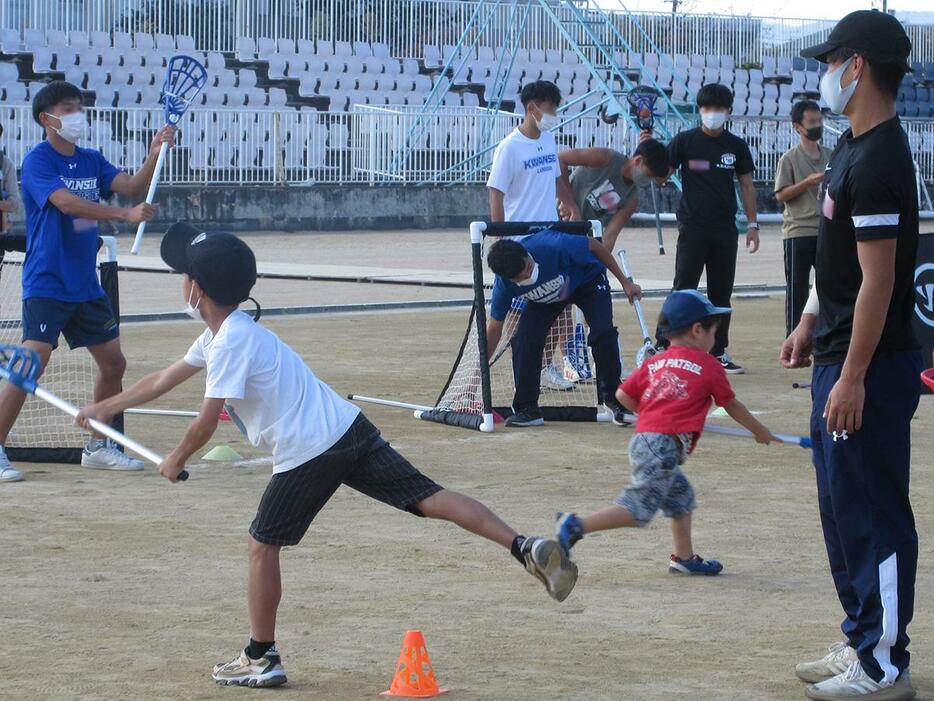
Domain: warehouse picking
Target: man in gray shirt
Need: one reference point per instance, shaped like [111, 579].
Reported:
[605, 183]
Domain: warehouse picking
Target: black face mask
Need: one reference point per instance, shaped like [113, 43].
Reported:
[815, 133]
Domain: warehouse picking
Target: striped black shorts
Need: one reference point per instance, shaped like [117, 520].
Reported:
[362, 460]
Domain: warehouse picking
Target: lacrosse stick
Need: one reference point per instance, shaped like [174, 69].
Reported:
[735, 431]
[648, 348]
[21, 367]
[642, 107]
[928, 378]
[184, 79]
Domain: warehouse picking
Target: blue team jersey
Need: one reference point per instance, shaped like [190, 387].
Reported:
[61, 250]
[565, 263]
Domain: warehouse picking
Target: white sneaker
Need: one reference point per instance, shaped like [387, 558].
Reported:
[836, 661]
[263, 673]
[548, 563]
[8, 473]
[108, 457]
[854, 683]
[552, 378]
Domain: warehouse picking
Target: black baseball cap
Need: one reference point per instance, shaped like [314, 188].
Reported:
[223, 265]
[877, 35]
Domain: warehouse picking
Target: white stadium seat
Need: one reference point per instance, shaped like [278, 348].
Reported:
[10, 41]
[42, 60]
[246, 49]
[185, 43]
[165, 43]
[34, 38]
[266, 48]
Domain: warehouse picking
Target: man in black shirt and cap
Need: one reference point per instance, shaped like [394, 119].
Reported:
[710, 157]
[865, 386]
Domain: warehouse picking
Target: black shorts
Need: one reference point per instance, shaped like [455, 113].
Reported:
[362, 460]
[84, 324]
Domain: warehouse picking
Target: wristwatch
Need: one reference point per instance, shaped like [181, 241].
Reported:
[753, 225]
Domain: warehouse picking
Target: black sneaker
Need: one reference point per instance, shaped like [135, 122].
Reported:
[526, 417]
[729, 366]
[619, 412]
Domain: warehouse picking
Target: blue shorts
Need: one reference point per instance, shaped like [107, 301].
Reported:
[84, 324]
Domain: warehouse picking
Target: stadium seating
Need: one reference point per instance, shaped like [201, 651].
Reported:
[126, 70]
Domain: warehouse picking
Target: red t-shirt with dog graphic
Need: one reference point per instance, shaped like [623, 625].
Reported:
[675, 390]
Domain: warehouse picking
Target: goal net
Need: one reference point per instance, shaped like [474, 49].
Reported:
[480, 388]
[41, 432]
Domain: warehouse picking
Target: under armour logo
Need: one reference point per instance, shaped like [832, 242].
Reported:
[42, 327]
[842, 436]
[72, 166]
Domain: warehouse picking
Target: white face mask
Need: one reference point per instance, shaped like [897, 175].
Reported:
[833, 94]
[641, 178]
[547, 121]
[193, 311]
[533, 278]
[713, 120]
[72, 127]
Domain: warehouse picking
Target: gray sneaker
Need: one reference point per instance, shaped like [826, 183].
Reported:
[8, 473]
[837, 660]
[108, 457]
[546, 561]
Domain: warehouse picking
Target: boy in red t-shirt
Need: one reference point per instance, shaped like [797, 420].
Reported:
[672, 393]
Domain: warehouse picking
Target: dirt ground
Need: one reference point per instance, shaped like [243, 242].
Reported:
[123, 586]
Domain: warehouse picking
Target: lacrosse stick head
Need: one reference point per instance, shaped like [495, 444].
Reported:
[20, 366]
[642, 100]
[928, 378]
[184, 79]
[645, 353]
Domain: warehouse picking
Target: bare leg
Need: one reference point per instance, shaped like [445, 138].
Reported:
[264, 589]
[12, 398]
[469, 514]
[681, 535]
[111, 365]
[608, 518]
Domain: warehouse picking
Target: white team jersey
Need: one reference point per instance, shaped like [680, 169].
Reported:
[271, 394]
[525, 170]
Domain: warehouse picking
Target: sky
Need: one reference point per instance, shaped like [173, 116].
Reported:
[826, 9]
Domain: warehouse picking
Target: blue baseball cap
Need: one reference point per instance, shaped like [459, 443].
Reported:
[684, 308]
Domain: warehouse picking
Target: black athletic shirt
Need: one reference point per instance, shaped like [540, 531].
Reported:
[708, 165]
[869, 193]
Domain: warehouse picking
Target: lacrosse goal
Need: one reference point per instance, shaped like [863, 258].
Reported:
[480, 388]
[41, 432]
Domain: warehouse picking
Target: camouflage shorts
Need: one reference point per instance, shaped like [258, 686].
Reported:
[657, 479]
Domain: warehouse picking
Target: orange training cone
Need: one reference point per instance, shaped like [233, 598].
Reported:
[415, 677]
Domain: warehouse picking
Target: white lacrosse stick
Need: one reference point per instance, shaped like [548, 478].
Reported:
[648, 348]
[184, 79]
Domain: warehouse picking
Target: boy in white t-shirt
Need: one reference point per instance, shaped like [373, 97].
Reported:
[318, 441]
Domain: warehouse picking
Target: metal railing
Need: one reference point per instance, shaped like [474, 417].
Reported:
[215, 147]
[266, 147]
[408, 25]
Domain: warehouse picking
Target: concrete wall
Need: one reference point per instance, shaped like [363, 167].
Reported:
[340, 208]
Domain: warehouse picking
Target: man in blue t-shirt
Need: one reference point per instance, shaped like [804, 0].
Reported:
[550, 270]
[62, 188]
